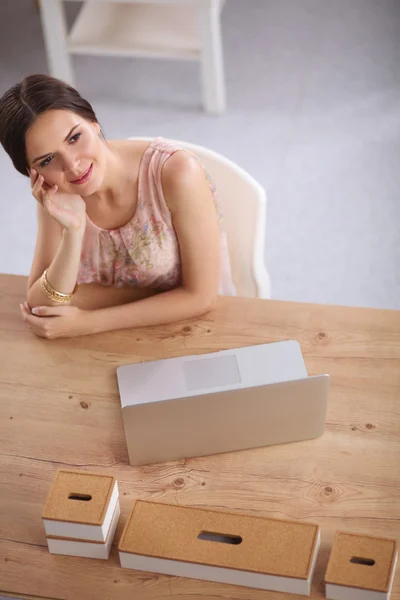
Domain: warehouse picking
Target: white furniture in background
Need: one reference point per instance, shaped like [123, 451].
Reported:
[174, 29]
[243, 203]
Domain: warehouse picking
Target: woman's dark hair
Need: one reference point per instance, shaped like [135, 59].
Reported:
[25, 101]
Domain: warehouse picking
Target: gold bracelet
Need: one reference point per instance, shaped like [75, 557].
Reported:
[52, 293]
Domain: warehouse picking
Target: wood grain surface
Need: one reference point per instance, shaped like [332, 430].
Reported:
[59, 407]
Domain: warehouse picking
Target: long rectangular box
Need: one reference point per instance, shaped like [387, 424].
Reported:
[223, 547]
[220, 402]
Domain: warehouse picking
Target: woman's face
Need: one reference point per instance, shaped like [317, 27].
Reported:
[68, 151]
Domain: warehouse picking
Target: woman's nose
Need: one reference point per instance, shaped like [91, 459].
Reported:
[72, 164]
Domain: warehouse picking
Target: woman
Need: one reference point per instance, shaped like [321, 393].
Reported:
[128, 232]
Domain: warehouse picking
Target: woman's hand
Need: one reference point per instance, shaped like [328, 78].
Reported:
[67, 209]
[54, 322]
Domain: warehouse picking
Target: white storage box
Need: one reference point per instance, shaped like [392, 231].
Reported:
[360, 567]
[222, 547]
[81, 513]
[220, 402]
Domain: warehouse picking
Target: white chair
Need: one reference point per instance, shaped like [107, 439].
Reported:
[174, 29]
[243, 203]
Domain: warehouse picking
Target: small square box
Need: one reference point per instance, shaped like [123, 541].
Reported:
[81, 514]
[360, 567]
[216, 546]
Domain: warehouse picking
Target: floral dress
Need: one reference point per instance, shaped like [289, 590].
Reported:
[145, 251]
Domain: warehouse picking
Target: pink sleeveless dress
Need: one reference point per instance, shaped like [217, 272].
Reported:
[145, 251]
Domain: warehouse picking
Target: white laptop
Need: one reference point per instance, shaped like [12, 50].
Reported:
[230, 400]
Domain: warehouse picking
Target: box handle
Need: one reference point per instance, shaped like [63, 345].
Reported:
[358, 560]
[81, 497]
[223, 538]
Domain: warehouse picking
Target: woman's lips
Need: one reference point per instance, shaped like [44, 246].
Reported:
[85, 177]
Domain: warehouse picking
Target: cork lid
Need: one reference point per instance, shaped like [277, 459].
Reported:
[111, 532]
[220, 539]
[79, 497]
[362, 561]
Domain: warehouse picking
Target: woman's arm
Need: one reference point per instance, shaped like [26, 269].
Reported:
[61, 227]
[175, 305]
[57, 250]
[93, 296]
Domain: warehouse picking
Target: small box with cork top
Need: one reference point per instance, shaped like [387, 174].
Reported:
[81, 514]
[361, 567]
[222, 547]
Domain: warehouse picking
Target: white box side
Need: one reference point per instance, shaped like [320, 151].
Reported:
[341, 592]
[79, 531]
[114, 500]
[86, 549]
[215, 574]
[198, 426]
[314, 562]
[393, 574]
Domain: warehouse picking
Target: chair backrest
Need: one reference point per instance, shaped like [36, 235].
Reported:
[243, 204]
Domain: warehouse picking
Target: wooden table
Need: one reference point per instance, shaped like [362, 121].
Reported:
[59, 407]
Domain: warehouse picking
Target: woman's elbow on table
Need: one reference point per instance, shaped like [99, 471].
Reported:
[205, 303]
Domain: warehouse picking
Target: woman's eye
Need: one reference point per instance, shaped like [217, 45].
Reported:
[74, 138]
[46, 161]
